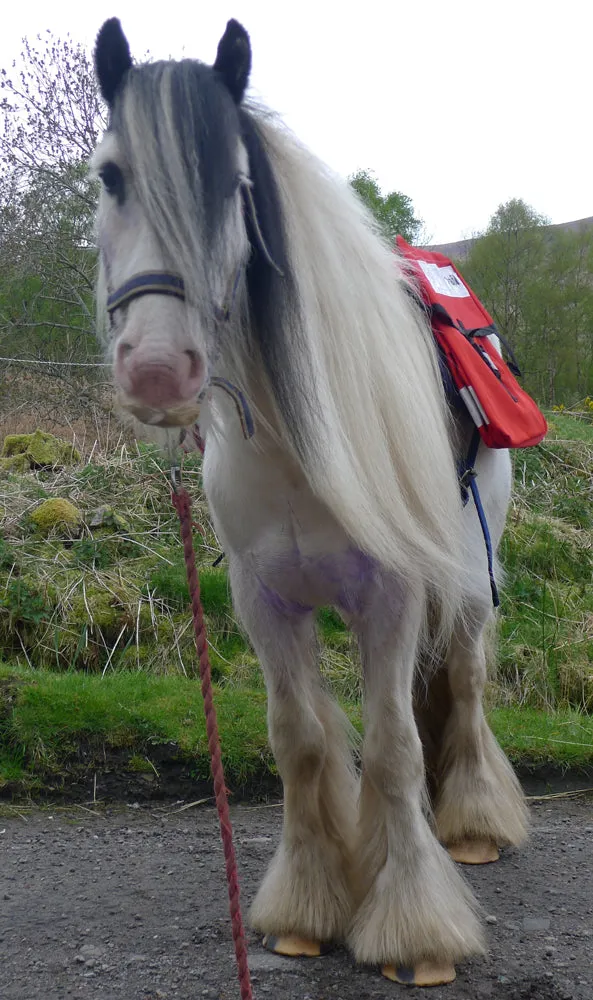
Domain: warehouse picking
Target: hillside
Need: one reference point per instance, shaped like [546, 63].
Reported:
[460, 249]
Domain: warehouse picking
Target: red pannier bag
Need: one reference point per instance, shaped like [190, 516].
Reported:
[505, 415]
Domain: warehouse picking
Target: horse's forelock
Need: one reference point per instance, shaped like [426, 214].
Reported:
[180, 130]
[178, 133]
[181, 134]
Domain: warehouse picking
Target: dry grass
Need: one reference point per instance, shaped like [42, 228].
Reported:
[76, 408]
[545, 655]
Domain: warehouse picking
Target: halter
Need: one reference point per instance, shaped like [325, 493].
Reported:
[164, 283]
[170, 283]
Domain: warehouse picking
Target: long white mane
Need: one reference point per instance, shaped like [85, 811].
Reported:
[378, 430]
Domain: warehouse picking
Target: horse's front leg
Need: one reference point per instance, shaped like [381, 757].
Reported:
[415, 915]
[305, 898]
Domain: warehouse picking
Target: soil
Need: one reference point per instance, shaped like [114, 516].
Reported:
[130, 902]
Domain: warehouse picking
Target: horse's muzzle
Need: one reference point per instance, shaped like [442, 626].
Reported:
[183, 415]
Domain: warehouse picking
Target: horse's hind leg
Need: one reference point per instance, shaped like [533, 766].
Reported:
[479, 803]
[415, 915]
[305, 898]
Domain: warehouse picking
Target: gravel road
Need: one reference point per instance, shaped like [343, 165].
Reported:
[130, 902]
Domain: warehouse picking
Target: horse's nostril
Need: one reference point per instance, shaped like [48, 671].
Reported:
[195, 369]
[124, 349]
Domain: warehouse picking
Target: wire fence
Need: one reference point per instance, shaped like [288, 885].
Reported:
[60, 364]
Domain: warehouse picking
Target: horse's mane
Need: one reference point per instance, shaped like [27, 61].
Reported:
[349, 361]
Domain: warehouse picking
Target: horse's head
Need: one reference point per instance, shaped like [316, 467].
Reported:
[171, 229]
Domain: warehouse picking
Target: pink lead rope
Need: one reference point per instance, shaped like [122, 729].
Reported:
[182, 503]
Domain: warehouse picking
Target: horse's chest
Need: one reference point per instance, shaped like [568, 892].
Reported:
[297, 553]
[296, 581]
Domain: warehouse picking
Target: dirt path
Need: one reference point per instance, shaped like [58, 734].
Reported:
[132, 904]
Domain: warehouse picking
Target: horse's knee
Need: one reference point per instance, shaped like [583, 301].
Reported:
[393, 760]
[298, 743]
[466, 670]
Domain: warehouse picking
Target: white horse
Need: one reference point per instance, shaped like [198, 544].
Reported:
[228, 250]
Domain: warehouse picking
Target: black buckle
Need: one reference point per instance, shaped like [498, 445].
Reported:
[467, 477]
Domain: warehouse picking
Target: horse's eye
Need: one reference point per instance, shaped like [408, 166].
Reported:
[113, 180]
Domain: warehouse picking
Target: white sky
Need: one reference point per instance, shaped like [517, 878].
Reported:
[460, 104]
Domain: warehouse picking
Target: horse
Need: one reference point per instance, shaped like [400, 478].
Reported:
[231, 256]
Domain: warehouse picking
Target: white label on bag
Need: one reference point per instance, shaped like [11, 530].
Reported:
[444, 281]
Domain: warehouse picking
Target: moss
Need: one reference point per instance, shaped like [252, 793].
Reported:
[40, 450]
[56, 515]
[98, 607]
[140, 765]
[136, 657]
[15, 463]
[15, 444]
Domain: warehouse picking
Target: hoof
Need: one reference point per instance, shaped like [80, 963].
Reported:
[423, 974]
[474, 852]
[295, 947]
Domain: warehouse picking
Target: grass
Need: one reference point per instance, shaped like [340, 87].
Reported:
[545, 655]
[563, 737]
[97, 630]
[51, 716]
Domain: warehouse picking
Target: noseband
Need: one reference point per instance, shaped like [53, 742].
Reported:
[146, 283]
[163, 283]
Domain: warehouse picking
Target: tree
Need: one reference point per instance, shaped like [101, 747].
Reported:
[561, 315]
[394, 211]
[515, 216]
[51, 109]
[536, 281]
[501, 268]
[51, 120]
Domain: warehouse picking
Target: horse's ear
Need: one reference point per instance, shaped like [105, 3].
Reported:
[112, 58]
[233, 59]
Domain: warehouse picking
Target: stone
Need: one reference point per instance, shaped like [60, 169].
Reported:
[531, 924]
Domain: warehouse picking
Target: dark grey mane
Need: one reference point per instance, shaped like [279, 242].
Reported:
[206, 124]
[273, 300]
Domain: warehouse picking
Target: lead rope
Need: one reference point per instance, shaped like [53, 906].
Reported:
[182, 504]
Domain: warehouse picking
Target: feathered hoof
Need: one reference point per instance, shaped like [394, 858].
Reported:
[474, 852]
[423, 974]
[295, 947]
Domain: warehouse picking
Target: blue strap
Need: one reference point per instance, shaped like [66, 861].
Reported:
[467, 466]
[467, 481]
[240, 401]
[487, 540]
